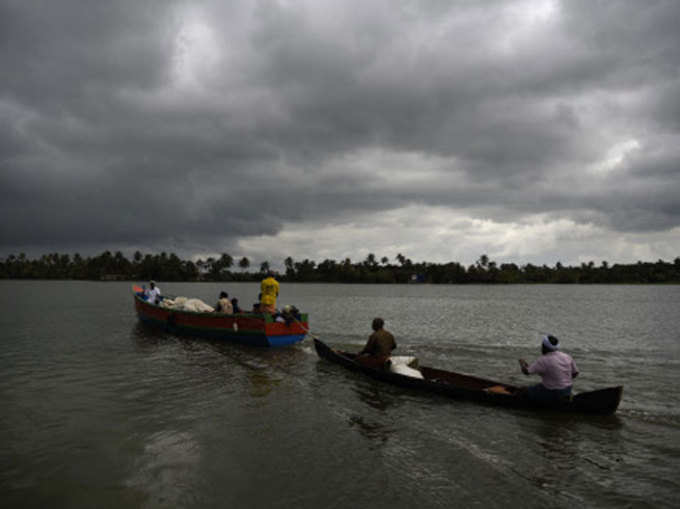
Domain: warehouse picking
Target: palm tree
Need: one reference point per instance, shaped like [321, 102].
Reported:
[370, 261]
[290, 267]
[214, 266]
[244, 263]
[288, 262]
[226, 261]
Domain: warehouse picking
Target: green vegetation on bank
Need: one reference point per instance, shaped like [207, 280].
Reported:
[169, 267]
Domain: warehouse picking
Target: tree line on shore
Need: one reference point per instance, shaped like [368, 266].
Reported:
[169, 267]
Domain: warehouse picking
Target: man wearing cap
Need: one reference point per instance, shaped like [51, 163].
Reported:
[557, 370]
[153, 294]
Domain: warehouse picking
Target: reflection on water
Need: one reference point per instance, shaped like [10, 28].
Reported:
[260, 364]
[146, 337]
[559, 451]
[374, 430]
[166, 467]
[566, 449]
[261, 384]
[107, 412]
[370, 393]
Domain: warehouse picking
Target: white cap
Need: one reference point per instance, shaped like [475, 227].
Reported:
[548, 345]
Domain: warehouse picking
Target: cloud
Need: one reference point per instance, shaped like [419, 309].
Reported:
[210, 127]
[442, 235]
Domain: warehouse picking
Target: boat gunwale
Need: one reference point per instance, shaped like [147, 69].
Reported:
[266, 318]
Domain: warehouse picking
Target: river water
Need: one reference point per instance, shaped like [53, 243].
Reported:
[100, 411]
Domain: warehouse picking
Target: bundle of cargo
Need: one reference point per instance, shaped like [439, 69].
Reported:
[186, 304]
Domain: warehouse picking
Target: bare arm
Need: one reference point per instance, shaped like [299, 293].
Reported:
[574, 369]
[524, 366]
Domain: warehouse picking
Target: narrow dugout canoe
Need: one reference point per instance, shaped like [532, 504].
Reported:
[461, 386]
[253, 329]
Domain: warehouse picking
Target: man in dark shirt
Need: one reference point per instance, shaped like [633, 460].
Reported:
[379, 346]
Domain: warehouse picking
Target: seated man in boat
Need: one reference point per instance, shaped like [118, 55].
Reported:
[557, 370]
[153, 294]
[378, 348]
[224, 304]
[270, 291]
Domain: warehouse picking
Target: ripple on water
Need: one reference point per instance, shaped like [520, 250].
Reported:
[98, 410]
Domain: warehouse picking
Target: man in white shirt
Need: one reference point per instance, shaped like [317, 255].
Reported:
[153, 294]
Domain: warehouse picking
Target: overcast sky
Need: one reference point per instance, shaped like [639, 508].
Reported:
[532, 131]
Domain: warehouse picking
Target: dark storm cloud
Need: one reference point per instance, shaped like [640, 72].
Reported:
[177, 123]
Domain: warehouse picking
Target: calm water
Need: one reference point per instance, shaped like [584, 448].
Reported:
[98, 411]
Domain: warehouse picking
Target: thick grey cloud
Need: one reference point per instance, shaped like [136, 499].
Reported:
[195, 126]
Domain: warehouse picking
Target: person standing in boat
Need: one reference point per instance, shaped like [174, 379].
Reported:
[270, 291]
[224, 305]
[153, 294]
[557, 370]
[378, 347]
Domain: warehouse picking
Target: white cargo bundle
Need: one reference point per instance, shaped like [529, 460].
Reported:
[197, 305]
[405, 365]
[185, 304]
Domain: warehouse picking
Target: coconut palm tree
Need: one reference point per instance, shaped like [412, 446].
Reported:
[244, 263]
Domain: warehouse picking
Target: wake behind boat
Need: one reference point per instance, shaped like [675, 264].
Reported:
[461, 386]
[255, 329]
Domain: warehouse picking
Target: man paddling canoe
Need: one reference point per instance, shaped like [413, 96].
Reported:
[557, 370]
[379, 346]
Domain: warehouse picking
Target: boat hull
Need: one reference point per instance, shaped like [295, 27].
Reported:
[246, 328]
[462, 386]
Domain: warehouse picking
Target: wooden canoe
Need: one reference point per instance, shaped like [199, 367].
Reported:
[256, 329]
[462, 386]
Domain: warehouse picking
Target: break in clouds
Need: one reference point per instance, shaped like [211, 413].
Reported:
[528, 130]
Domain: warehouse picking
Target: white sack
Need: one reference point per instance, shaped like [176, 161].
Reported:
[403, 369]
[176, 303]
[197, 305]
[405, 360]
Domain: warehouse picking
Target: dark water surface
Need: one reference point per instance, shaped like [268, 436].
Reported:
[98, 411]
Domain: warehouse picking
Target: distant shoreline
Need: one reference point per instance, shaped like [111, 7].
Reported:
[283, 280]
[169, 267]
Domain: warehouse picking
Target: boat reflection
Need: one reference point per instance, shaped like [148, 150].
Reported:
[566, 444]
[146, 337]
[372, 426]
[257, 370]
[375, 431]
[374, 395]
